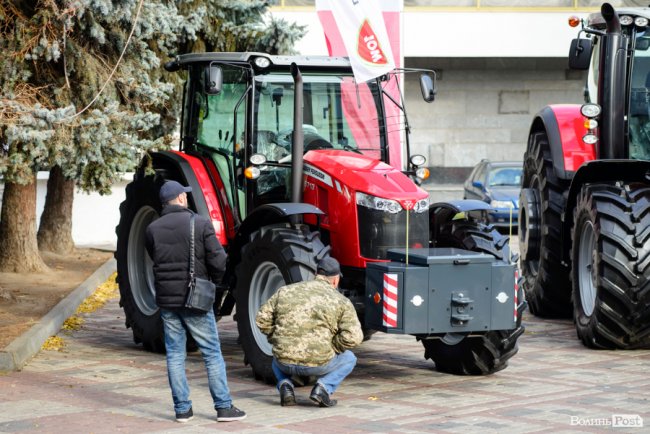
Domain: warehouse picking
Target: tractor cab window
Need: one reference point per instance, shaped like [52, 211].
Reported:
[591, 94]
[337, 114]
[220, 128]
[639, 104]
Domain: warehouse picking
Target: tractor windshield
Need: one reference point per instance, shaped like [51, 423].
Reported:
[338, 114]
[639, 112]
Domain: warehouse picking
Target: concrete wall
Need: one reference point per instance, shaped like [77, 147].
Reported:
[94, 217]
[483, 108]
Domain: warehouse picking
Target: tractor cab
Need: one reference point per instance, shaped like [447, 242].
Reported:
[239, 110]
[629, 96]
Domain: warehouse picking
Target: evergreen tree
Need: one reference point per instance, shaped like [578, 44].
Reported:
[84, 95]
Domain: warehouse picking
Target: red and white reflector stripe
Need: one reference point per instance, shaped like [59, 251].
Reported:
[390, 300]
[516, 291]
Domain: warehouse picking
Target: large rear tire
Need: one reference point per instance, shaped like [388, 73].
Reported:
[482, 353]
[546, 279]
[276, 255]
[611, 266]
[134, 266]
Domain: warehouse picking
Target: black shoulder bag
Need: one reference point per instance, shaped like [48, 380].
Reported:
[202, 292]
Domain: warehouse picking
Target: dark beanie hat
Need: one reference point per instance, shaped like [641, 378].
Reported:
[329, 267]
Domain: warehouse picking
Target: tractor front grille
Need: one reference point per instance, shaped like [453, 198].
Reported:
[381, 230]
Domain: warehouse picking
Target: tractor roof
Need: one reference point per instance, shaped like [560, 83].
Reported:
[184, 60]
[596, 19]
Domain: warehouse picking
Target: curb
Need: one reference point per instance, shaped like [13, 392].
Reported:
[15, 355]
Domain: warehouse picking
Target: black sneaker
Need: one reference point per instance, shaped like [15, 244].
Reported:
[319, 395]
[230, 414]
[185, 417]
[287, 397]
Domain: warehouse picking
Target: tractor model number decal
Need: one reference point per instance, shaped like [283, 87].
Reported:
[390, 300]
[318, 174]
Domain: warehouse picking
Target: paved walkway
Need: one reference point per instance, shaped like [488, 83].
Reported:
[103, 383]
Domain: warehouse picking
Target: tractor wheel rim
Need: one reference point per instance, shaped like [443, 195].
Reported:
[267, 278]
[587, 269]
[140, 265]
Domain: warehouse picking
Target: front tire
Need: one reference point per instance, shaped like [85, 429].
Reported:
[546, 279]
[277, 255]
[479, 353]
[611, 266]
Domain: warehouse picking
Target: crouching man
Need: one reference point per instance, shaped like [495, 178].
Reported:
[312, 328]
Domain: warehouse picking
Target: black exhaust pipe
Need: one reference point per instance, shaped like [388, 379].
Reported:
[298, 137]
[612, 96]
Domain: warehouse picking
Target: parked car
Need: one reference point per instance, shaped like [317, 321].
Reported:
[497, 183]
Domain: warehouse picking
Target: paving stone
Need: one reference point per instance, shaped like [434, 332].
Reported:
[103, 382]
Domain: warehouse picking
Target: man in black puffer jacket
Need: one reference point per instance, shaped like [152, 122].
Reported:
[168, 244]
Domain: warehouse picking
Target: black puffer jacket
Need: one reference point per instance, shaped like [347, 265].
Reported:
[168, 244]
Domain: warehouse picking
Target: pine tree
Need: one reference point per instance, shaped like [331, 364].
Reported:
[66, 106]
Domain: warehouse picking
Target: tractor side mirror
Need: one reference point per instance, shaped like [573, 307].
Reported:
[580, 54]
[428, 87]
[213, 79]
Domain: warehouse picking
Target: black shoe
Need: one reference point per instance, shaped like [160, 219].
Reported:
[287, 397]
[230, 414]
[319, 394]
[184, 417]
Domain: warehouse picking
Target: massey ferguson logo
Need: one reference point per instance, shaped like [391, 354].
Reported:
[368, 46]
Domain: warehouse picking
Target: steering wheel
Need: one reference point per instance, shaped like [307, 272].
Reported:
[317, 143]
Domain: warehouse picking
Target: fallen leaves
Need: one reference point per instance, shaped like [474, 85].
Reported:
[104, 292]
[53, 343]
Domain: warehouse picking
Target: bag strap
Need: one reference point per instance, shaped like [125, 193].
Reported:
[192, 248]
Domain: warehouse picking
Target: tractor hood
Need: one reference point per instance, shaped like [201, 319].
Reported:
[361, 173]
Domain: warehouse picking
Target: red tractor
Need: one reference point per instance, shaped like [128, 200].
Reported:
[289, 157]
[584, 220]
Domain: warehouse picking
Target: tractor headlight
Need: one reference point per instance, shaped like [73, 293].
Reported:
[502, 204]
[258, 159]
[262, 62]
[378, 203]
[590, 139]
[626, 20]
[590, 110]
[421, 205]
[418, 160]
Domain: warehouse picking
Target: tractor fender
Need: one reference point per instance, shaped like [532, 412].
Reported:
[190, 170]
[264, 215]
[178, 166]
[464, 205]
[604, 171]
[564, 126]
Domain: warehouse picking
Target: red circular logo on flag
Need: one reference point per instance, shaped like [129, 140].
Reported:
[368, 46]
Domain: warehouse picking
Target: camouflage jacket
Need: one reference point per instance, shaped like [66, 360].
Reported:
[309, 322]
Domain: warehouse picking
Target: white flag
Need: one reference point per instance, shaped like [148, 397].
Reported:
[362, 28]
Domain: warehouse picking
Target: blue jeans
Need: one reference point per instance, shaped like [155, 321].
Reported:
[331, 374]
[203, 328]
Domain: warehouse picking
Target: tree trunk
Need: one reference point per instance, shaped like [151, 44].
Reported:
[18, 246]
[55, 230]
